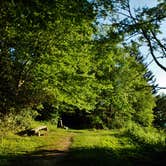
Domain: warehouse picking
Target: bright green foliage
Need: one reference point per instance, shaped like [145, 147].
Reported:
[124, 93]
[147, 136]
[45, 54]
[53, 60]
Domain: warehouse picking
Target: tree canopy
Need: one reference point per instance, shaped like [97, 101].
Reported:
[56, 59]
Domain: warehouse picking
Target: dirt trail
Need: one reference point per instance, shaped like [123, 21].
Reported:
[43, 157]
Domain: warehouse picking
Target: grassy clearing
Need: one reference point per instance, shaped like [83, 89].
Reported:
[15, 145]
[115, 147]
[101, 148]
[132, 146]
[12, 145]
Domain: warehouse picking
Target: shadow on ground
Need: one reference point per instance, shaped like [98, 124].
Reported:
[109, 157]
[89, 157]
[36, 158]
[141, 155]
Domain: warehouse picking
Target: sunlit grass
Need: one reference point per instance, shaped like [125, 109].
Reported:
[114, 147]
[90, 147]
[112, 140]
[12, 144]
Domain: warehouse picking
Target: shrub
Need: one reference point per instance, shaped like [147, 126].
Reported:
[147, 136]
[14, 121]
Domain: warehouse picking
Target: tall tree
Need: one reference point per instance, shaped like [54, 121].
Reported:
[125, 94]
[44, 53]
[54, 55]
